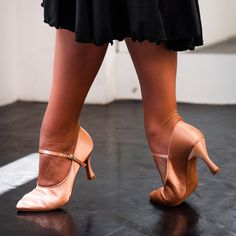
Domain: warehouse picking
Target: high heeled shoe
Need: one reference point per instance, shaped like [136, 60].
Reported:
[44, 198]
[178, 168]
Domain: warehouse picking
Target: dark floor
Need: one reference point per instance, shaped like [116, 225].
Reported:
[116, 202]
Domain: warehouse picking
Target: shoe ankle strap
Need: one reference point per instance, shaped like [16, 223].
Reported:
[60, 154]
[155, 154]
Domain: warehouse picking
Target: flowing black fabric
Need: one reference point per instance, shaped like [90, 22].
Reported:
[178, 22]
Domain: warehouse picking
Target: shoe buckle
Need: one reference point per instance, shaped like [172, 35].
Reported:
[70, 156]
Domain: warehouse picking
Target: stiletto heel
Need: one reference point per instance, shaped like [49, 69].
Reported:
[178, 168]
[89, 171]
[44, 198]
[200, 150]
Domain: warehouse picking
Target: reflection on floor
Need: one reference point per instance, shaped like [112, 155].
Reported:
[116, 203]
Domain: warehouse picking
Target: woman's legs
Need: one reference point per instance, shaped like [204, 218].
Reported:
[75, 68]
[156, 69]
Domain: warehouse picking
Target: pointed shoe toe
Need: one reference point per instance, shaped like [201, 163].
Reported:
[158, 196]
[26, 203]
[155, 196]
[20, 205]
[39, 199]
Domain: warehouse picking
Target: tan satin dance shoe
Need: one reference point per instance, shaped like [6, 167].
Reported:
[44, 198]
[178, 168]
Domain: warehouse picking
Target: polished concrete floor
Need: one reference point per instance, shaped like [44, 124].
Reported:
[116, 202]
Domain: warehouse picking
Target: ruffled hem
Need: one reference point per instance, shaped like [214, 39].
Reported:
[162, 30]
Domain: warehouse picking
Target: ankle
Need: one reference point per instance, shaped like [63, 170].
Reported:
[169, 120]
[53, 169]
[158, 135]
[58, 140]
[158, 141]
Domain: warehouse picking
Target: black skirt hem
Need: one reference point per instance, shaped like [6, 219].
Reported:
[178, 39]
[181, 44]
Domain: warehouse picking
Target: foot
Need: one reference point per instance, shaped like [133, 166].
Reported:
[53, 169]
[159, 139]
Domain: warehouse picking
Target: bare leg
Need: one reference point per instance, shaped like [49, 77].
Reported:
[75, 68]
[156, 69]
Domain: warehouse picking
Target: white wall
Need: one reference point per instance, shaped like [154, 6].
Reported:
[27, 45]
[218, 19]
[9, 52]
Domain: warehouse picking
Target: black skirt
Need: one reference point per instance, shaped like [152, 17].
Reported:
[177, 22]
